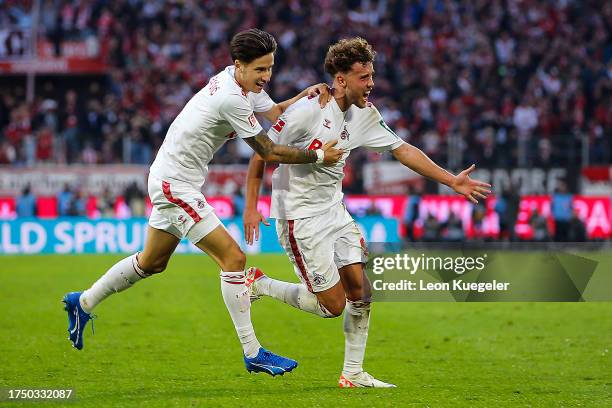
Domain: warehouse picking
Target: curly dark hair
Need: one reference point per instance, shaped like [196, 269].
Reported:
[342, 55]
[249, 45]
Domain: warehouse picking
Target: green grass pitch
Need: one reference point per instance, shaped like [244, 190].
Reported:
[169, 342]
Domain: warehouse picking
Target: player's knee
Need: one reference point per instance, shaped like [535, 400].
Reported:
[359, 294]
[360, 291]
[234, 260]
[355, 292]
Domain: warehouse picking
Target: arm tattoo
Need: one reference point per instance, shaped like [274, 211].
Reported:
[272, 152]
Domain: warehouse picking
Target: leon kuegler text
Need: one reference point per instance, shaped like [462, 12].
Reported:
[456, 285]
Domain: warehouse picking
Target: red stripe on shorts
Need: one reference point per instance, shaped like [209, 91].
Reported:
[298, 256]
[188, 209]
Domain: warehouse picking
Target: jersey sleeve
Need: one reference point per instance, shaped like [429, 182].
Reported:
[238, 112]
[378, 136]
[293, 126]
[261, 101]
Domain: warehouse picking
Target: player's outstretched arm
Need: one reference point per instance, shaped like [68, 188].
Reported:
[418, 161]
[275, 153]
[322, 90]
[251, 217]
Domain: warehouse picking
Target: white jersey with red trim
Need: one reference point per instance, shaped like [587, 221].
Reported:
[217, 113]
[306, 190]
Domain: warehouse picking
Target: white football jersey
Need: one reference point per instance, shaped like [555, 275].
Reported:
[306, 190]
[217, 113]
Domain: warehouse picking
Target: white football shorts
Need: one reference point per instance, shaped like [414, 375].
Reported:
[318, 246]
[180, 209]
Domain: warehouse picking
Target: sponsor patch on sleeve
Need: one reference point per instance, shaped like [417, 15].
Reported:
[252, 120]
[278, 126]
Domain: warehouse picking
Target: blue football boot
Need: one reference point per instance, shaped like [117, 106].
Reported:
[268, 362]
[77, 319]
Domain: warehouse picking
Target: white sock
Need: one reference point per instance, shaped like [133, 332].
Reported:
[293, 294]
[119, 277]
[356, 323]
[236, 298]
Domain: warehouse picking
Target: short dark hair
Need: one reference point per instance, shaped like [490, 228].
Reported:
[249, 45]
[342, 55]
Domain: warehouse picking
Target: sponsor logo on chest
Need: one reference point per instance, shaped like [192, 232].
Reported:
[252, 120]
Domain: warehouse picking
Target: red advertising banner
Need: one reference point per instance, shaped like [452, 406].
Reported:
[596, 214]
[76, 56]
[53, 66]
[527, 206]
[7, 208]
[593, 211]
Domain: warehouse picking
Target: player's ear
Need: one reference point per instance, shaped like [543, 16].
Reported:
[341, 80]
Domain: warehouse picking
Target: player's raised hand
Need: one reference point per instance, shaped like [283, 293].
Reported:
[251, 219]
[331, 155]
[470, 189]
[322, 90]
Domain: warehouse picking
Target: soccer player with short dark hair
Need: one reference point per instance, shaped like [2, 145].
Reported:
[223, 110]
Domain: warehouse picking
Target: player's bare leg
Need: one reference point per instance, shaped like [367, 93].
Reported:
[230, 258]
[158, 248]
[356, 324]
[157, 251]
[355, 288]
[328, 303]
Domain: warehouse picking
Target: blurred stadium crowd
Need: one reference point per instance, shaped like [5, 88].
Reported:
[498, 83]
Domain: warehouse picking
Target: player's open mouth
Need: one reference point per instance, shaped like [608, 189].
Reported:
[260, 84]
[366, 95]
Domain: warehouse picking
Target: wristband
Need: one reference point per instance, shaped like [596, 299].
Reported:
[320, 156]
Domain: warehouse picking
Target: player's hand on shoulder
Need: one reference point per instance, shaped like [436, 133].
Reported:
[331, 154]
[323, 91]
[251, 219]
[470, 189]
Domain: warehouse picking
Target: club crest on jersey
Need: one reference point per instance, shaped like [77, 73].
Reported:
[327, 123]
[200, 204]
[318, 279]
[252, 120]
[278, 126]
[344, 135]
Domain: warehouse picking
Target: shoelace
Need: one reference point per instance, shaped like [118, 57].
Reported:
[273, 358]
